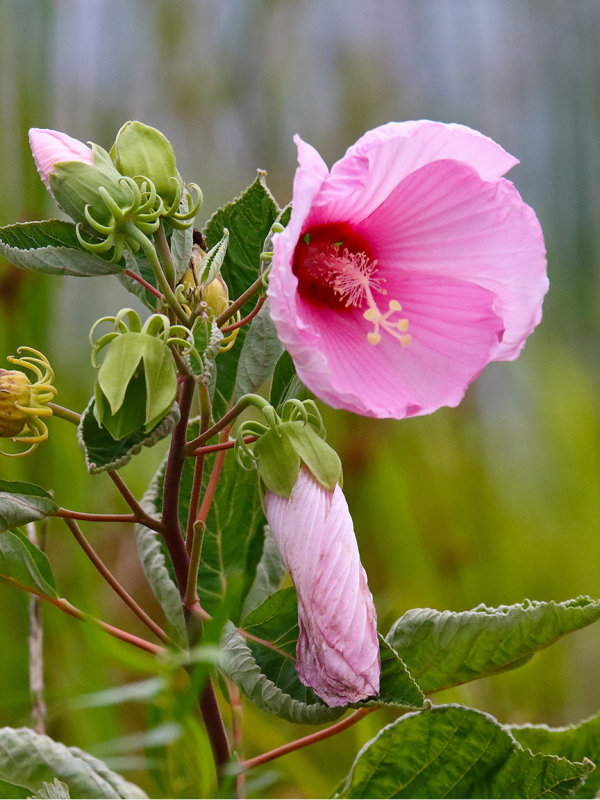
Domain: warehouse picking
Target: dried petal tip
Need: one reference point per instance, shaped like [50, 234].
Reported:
[53, 147]
[337, 654]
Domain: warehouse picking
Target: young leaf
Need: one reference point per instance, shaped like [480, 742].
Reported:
[452, 751]
[259, 354]
[51, 247]
[241, 667]
[576, 742]
[23, 502]
[23, 565]
[447, 648]
[31, 759]
[102, 452]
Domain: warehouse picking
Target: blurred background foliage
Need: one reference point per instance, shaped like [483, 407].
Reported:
[494, 501]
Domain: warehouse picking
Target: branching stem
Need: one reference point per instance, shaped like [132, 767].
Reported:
[253, 289]
[113, 582]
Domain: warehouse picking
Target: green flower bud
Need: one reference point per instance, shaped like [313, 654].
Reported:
[76, 185]
[140, 150]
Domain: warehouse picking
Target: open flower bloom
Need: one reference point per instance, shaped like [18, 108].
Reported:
[406, 269]
[337, 653]
[53, 147]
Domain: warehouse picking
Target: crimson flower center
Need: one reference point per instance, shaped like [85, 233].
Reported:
[335, 268]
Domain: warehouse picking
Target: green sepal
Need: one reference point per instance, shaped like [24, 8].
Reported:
[278, 462]
[75, 185]
[136, 386]
[281, 451]
[140, 150]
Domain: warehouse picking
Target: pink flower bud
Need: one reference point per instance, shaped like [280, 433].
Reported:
[337, 654]
[53, 147]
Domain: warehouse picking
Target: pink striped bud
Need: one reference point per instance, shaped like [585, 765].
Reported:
[337, 654]
[53, 147]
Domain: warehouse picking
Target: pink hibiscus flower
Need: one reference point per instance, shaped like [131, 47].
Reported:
[53, 147]
[406, 269]
[337, 653]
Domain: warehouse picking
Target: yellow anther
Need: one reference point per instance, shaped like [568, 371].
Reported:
[405, 339]
[402, 324]
[395, 305]
[372, 314]
[373, 338]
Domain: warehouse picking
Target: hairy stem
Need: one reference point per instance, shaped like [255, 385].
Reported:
[163, 283]
[113, 582]
[307, 740]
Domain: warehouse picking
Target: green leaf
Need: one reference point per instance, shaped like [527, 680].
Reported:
[213, 261]
[576, 742]
[31, 759]
[259, 355]
[242, 668]
[276, 621]
[286, 385]
[446, 648]
[397, 686]
[452, 751]
[23, 502]
[23, 565]
[269, 572]
[102, 452]
[51, 247]
[156, 564]
[248, 219]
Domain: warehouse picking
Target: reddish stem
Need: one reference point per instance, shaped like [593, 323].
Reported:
[245, 320]
[66, 513]
[308, 740]
[214, 448]
[140, 514]
[209, 494]
[113, 582]
[172, 532]
[215, 727]
[145, 284]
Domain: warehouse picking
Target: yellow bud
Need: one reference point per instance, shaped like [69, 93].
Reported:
[216, 295]
[15, 393]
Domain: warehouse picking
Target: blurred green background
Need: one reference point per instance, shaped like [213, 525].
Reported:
[494, 501]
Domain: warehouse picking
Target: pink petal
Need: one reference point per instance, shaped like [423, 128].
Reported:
[444, 220]
[53, 147]
[454, 331]
[379, 160]
[337, 652]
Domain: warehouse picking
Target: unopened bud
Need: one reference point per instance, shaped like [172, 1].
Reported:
[140, 150]
[15, 393]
